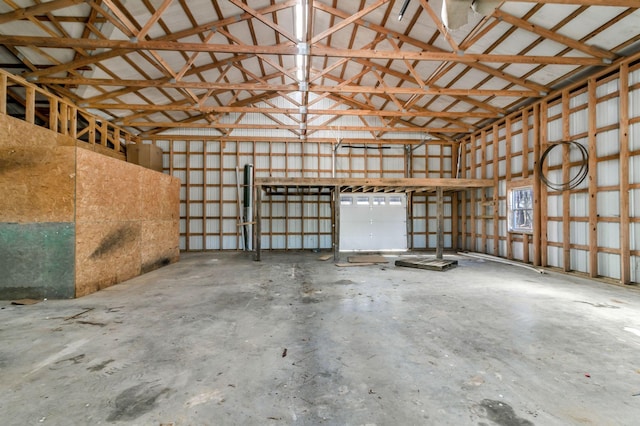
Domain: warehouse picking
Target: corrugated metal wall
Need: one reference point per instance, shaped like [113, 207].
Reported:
[593, 228]
[210, 210]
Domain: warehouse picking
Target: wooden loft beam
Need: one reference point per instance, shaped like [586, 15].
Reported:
[291, 49]
[405, 183]
[175, 125]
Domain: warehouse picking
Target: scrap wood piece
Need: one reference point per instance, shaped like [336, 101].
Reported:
[325, 257]
[78, 314]
[346, 265]
[429, 264]
[25, 302]
[367, 259]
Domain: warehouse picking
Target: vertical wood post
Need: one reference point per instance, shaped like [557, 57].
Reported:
[625, 253]
[507, 175]
[544, 214]
[30, 105]
[566, 193]
[335, 210]
[525, 173]
[440, 229]
[537, 192]
[593, 181]
[53, 114]
[258, 220]
[496, 192]
[3, 94]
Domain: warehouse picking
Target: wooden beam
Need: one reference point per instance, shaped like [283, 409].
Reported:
[258, 220]
[552, 35]
[78, 81]
[625, 254]
[268, 22]
[348, 21]
[335, 223]
[276, 110]
[174, 125]
[440, 220]
[446, 183]
[593, 177]
[290, 49]
[169, 37]
[566, 193]
[38, 9]
[154, 18]
[614, 3]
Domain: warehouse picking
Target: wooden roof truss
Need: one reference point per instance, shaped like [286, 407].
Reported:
[238, 67]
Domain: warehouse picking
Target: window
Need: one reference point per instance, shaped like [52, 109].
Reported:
[362, 201]
[379, 201]
[521, 209]
[346, 201]
[395, 201]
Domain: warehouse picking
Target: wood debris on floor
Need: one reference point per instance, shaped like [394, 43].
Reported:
[370, 258]
[429, 264]
[347, 265]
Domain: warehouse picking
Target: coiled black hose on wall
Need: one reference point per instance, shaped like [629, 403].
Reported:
[574, 181]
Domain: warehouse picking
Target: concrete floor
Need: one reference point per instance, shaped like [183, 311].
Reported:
[218, 339]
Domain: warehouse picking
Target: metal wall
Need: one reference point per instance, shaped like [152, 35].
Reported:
[210, 207]
[593, 228]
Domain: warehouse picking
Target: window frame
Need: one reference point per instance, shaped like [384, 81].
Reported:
[520, 185]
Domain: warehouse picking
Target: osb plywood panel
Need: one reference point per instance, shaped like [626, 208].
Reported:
[37, 184]
[159, 244]
[37, 260]
[19, 133]
[160, 196]
[107, 189]
[106, 253]
[101, 150]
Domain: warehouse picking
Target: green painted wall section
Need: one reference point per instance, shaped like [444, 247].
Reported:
[37, 260]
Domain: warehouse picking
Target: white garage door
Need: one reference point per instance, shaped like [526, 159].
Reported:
[373, 222]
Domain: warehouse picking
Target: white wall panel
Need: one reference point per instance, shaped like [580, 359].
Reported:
[609, 173]
[579, 260]
[607, 112]
[609, 235]
[634, 169]
[554, 231]
[609, 204]
[554, 205]
[195, 226]
[196, 243]
[609, 265]
[555, 256]
[554, 130]
[579, 232]
[579, 205]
